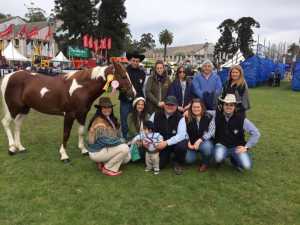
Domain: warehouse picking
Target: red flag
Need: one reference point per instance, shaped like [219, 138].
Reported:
[33, 32]
[86, 41]
[7, 31]
[49, 34]
[23, 31]
[96, 45]
[91, 42]
[103, 43]
[108, 43]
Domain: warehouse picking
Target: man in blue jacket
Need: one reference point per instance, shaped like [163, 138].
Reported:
[207, 85]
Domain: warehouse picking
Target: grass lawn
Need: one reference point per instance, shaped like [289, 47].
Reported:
[37, 189]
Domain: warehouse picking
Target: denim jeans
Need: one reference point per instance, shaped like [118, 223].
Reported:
[205, 150]
[125, 109]
[239, 160]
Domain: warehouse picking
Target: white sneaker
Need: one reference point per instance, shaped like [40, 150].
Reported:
[147, 169]
[156, 171]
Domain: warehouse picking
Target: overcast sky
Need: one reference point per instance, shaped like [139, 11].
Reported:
[195, 21]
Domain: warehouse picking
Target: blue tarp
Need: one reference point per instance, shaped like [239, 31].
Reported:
[296, 77]
[257, 70]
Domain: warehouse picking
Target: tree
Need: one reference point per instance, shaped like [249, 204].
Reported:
[35, 14]
[77, 17]
[147, 41]
[111, 15]
[226, 45]
[245, 33]
[4, 16]
[165, 38]
[294, 50]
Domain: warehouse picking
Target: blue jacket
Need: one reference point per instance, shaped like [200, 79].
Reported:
[207, 89]
[176, 90]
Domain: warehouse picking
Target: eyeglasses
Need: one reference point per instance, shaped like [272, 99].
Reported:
[181, 71]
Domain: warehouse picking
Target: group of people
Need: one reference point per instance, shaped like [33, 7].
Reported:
[174, 122]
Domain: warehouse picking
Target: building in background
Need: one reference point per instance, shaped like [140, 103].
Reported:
[30, 39]
[196, 53]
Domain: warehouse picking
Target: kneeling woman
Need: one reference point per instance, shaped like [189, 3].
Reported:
[106, 146]
[200, 128]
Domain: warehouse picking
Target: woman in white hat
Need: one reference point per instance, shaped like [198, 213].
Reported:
[230, 135]
[137, 117]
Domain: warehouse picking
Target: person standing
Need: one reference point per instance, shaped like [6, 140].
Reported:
[157, 87]
[137, 77]
[181, 88]
[237, 85]
[207, 85]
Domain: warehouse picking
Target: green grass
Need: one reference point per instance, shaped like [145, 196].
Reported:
[36, 188]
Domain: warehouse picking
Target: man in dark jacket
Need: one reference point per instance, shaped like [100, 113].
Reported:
[137, 77]
[230, 135]
[169, 123]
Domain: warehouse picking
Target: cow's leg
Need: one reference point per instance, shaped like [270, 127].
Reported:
[68, 123]
[18, 123]
[81, 146]
[6, 124]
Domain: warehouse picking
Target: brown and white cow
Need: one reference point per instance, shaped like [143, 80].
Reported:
[69, 95]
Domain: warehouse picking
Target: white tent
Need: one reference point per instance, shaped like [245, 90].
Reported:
[236, 59]
[60, 58]
[12, 54]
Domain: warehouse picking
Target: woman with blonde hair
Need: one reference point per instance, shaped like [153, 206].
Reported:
[237, 85]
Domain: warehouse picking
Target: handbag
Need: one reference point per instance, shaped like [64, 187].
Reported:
[134, 152]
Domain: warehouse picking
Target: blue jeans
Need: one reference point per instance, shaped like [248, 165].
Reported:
[125, 109]
[205, 150]
[239, 160]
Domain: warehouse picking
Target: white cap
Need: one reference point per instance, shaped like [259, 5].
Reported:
[136, 100]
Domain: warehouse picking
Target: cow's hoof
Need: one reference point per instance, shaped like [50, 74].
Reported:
[66, 161]
[11, 153]
[23, 151]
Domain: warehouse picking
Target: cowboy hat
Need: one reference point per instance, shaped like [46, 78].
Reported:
[135, 54]
[104, 102]
[229, 98]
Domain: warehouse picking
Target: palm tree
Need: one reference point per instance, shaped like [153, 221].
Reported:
[165, 38]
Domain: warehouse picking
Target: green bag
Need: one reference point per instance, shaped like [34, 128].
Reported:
[134, 151]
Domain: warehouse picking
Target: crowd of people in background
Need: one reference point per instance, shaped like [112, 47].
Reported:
[175, 122]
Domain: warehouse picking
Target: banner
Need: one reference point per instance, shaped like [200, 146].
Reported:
[22, 32]
[7, 31]
[49, 34]
[103, 43]
[32, 33]
[78, 53]
[96, 45]
[86, 41]
[108, 43]
[91, 43]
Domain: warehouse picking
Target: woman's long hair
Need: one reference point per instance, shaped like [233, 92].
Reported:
[241, 81]
[191, 115]
[138, 117]
[177, 72]
[100, 114]
[158, 62]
